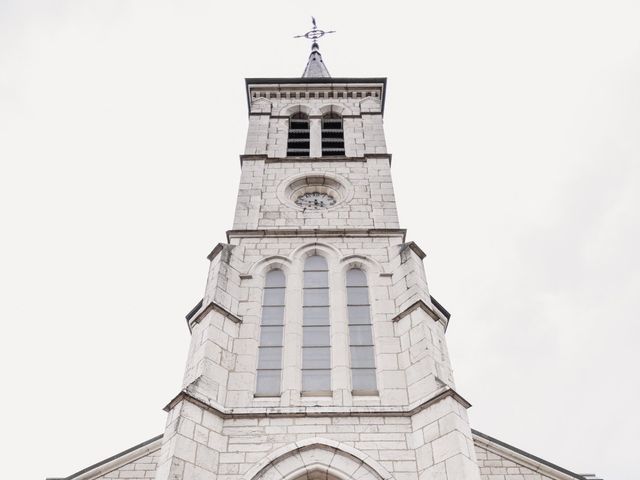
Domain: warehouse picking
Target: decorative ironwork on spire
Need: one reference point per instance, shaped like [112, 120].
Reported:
[315, 66]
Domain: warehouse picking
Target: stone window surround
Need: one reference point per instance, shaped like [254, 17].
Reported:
[315, 114]
[293, 268]
[272, 283]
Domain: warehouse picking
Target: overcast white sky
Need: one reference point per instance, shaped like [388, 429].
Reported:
[514, 128]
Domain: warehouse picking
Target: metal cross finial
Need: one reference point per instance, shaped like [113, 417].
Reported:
[315, 33]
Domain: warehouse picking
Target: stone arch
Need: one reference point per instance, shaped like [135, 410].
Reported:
[371, 266]
[289, 110]
[334, 107]
[308, 249]
[317, 459]
[262, 266]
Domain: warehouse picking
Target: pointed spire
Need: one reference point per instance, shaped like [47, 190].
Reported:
[315, 66]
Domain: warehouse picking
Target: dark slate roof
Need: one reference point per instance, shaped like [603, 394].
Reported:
[107, 460]
[528, 455]
[315, 66]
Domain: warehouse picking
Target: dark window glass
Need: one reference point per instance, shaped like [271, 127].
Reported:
[316, 381]
[315, 279]
[317, 358]
[363, 371]
[268, 383]
[269, 370]
[316, 297]
[273, 296]
[315, 315]
[364, 380]
[316, 333]
[272, 315]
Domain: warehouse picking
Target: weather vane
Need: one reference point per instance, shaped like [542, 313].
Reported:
[315, 33]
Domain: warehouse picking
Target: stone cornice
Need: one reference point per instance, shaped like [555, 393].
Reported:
[212, 306]
[415, 248]
[335, 158]
[326, 159]
[216, 250]
[420, 304]
[330, 83]
[190, 395]
[318, 232]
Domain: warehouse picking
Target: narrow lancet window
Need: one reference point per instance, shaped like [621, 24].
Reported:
[363, 367]
[298, 141]
[271, 332]
[316, 349]
[332, 135]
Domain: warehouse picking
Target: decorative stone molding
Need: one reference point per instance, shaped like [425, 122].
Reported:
[337, 186]
[196, 318]
[423, 306]
[192, 396]
[318, 232]
[334, 459]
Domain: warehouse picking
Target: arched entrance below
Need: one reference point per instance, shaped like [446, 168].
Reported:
[317, 459]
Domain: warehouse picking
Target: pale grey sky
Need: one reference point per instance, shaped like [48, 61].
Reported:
[516, 160]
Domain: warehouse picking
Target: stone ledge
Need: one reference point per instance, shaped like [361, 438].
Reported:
[213, 306]
[413, 307]
[318, 232]
[188, 394]
[333, 158]
[326, 159]
[216, 250]
[415, 248]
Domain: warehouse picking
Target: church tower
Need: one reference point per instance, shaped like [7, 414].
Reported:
[317, 351]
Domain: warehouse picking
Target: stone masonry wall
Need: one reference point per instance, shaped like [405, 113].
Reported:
[434, 444]
[269, 124]
[411, 358]
[141, 469]
[263, 202]
[495, 467]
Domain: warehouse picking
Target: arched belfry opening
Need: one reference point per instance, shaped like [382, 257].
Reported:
[332, 134]
[298, 142]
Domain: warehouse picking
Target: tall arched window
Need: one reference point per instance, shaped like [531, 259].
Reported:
[316, 349]
[363, 366]
[332, 135]
[298, 140]
[271, 330]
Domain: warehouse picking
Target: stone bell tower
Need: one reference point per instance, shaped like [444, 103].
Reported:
[317, 351]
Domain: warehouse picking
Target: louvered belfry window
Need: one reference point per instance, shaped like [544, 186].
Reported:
[332, 135]
[271, 332]
[298, 140]
[316, 349]
[363, 367]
